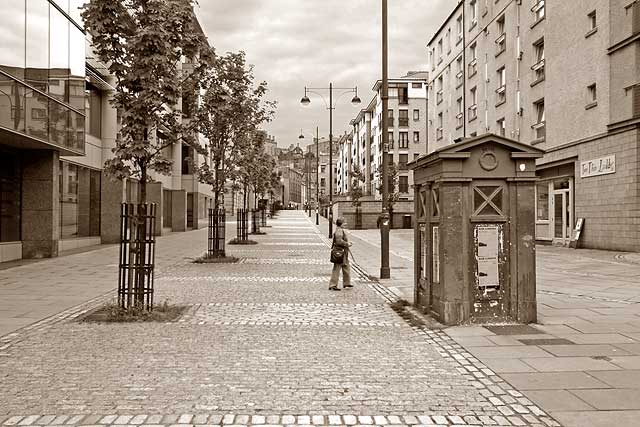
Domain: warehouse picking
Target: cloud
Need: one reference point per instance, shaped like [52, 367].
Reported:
[298, 43]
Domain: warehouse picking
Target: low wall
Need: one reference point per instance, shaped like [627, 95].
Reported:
[370, 212]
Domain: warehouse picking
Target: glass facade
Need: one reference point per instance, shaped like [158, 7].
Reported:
[10, 196]
[42, 71]
[79, 201]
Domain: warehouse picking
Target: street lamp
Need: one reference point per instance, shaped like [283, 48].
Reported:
[385, 271]
[317, 139]
[305, 101]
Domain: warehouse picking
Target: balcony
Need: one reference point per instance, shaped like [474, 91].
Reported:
[439, 133]
[501, 43]
[459, 78]
[473, 67]
[439, 96]
[459, 120]
[31, 119]
[538, 10]
[540, 130]
[501, 95]
[473, 112]
[538, 68]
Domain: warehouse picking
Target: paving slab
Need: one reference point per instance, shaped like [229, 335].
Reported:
[563, 364]
[585, 350]
[629, 379]
[611, 399]
[557, 400]
[553, 381]
[597, 418]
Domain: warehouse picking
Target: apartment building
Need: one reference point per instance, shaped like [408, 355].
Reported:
[407, 127]
[564, 77]
[347, 157]
[57, 128]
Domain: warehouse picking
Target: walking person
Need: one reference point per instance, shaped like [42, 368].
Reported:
[341, 240]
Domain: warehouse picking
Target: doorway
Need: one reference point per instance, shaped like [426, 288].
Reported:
[562, 211]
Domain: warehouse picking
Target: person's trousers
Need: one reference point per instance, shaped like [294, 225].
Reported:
[335, 275]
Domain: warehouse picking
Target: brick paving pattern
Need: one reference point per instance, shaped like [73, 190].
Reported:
[318, 358]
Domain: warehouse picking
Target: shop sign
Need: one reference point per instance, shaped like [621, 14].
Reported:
[601, 166]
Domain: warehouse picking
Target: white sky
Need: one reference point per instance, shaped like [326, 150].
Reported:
[298, 43]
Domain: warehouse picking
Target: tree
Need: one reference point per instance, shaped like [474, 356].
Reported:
[355, 189]
[231, 110]
[393, 191]
[143, 43]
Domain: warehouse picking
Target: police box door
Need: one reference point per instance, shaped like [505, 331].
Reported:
[488, 259]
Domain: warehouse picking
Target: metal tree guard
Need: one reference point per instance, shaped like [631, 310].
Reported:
[255, 222]
[215, 247]
[242, 219]
[137, 255]
[263, 214]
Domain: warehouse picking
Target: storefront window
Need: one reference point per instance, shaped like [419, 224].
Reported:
[542, 201]
[79, 201]
[10, 196]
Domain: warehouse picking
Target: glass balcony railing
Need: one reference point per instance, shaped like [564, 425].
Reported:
[30, 112]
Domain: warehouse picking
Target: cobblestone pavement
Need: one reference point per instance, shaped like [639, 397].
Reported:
[263, 343]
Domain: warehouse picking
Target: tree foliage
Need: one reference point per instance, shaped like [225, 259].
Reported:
[355, 189]
[393, 190]
[231, 110]
[143, 43]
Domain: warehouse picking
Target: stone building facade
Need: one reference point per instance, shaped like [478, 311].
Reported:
[563, 77]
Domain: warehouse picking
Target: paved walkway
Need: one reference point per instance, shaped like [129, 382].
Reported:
[263, 343]
[582, 361]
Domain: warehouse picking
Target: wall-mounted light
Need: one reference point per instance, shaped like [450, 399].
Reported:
[522, 167]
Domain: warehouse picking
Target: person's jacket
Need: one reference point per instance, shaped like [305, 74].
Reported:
[341, 240]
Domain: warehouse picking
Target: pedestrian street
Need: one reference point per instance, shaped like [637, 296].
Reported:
[262, 342]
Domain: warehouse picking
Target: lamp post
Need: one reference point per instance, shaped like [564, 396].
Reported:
[330, 106]
[317, 140]
[385, 272]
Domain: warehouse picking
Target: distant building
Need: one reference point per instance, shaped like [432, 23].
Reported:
[407, 127]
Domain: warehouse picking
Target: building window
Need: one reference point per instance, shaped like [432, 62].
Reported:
[460, 29]
[538, 67]
[402, 161]
[501, 41]
[538, 10]
[542, 201]
[459, 72]
[502, 127]
[79, 189]
[390, 139]
[403, 184]
[404, 140]
[416, 115]
[439, 128]
[440, 87]
[449, 40]
[473, 108]
[416, 137]
[593, 23]
[473, 13]
[439, 51]
[390, 117]
[501, 91]
[403, 118]
[416, 85]
[540, 125]
[592, 96]
[403, 95]
[10, 196]
[323, 169]
[415, 156]
[460, 114]
[473, 64]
